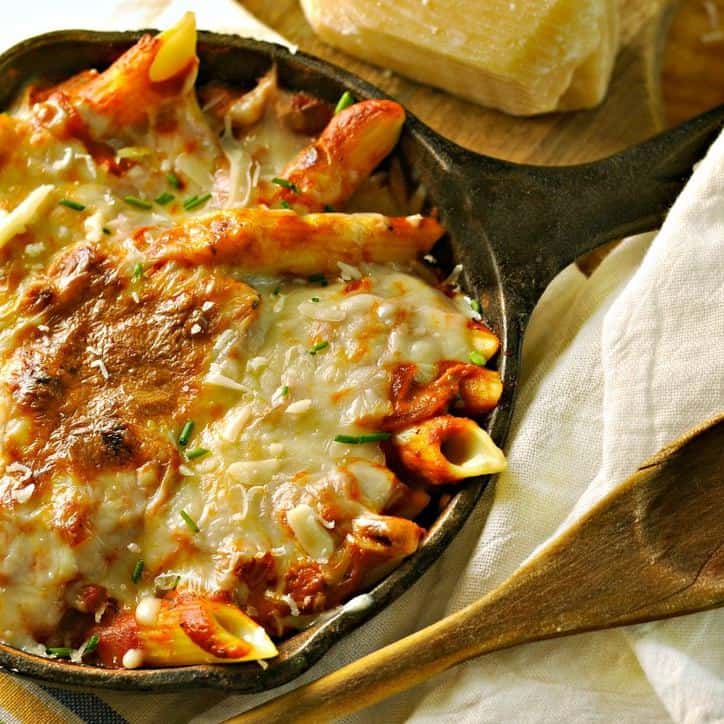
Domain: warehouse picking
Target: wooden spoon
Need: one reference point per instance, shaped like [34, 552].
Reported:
[651, 549]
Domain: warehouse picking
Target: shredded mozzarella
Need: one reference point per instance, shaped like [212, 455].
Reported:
[15, 222]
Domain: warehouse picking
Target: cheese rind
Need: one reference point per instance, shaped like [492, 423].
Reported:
[522, 58]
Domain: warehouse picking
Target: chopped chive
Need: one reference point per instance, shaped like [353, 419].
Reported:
[195, 201]
[315, 299]
[69, 204]
[137, 571]
[106, 231]
[276, 291]
[175, 583]
[91, 644]
[477, 359]
[285, 204]
[174, 181]
[318, 279]
[138, 203]
[164, 198]
[284, 391]
[318, 347]
[185, 436]
[137, 271]
[62, 652]
[345, 101]
[285, 184]
[190, 522]
[475, 305]
[361, 439]
[329, 208]
[197, 452]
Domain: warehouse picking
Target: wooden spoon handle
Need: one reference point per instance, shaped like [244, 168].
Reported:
[653, 548]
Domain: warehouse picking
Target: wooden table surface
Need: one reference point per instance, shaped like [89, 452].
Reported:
[671, 67]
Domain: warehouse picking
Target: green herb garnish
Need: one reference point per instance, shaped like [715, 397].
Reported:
[137, 571]
[285, 184]
[164, 198]
[475, 305]
[91, 644]
[318, 347]
[62, 652]
[477, 359]
[137, 271]
[69, 204]
[361, 439]
[138, 203]
[318, 279]
[197, 452]
[345, 101]
[174, 181]
[190, 522]
[185, 436]
[315, 299]
[106, 231]
[195, 201]
[285, 204]
[276, 291]
[284, 391]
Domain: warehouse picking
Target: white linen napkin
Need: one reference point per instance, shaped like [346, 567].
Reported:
[614, 367]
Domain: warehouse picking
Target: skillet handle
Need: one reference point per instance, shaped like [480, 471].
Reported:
[540, 219]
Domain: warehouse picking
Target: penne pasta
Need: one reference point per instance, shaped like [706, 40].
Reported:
[182, 629]
[484, 341]
[480, 391]
[447, 449]
[478, 388]
[269, 241]
[176, 50]
[243, 110]
[153, 70]
[387, 536]
[327, 172]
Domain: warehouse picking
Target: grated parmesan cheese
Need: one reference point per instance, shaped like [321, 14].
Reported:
[348, 272]
[23, 495]
[101, 365]
[132, 659]
[299, 407]
[310, 533]
[15, 222]
[16, 467]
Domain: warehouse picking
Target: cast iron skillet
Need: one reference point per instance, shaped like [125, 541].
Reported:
[513, 228]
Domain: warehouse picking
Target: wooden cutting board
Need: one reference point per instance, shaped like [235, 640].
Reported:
[671, 65]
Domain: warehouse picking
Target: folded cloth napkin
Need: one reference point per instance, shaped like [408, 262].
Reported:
[614, 367]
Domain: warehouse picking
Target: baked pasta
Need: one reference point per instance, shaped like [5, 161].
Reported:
[230, 384]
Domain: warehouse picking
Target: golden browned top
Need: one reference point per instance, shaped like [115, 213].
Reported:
[121, 361]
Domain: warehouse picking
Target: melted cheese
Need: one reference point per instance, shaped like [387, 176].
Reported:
[23, 214]
[300, 364]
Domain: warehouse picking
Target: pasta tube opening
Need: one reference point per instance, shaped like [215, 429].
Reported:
[447, 449]
[181, 630]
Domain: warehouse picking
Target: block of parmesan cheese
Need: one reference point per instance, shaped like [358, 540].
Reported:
[521, 56]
